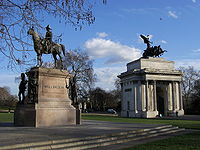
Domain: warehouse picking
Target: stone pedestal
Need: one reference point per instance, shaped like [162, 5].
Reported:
[48, 94]
[150, 88]
[78, 114]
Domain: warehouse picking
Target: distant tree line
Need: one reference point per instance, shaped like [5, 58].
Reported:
[191, 90]
[101, 100]
[6, 99]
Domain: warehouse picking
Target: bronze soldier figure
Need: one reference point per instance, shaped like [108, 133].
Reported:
[72, 89]
[22, 88]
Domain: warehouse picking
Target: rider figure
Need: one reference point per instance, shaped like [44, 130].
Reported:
[146, 40]
[48, 39]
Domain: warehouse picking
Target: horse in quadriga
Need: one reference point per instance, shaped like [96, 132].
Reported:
[39, 47]
[158, 51]
[155, 51]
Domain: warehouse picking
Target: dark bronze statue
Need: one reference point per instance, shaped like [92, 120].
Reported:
[46, 46]
[72, 89]
[22, 88]
[32, 87]
[146, 40]
[151, 51]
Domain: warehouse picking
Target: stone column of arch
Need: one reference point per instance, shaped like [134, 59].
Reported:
[170, 98]
[154, 95]
[147, 95]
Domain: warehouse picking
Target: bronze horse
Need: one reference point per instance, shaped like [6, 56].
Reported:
[155, 51]
[56, 49]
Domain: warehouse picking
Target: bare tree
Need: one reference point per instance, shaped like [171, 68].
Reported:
[6, 99]
[16, 16]
[118, 92]
[195, 98]
[100, 100]
[81, 67]
[190, 76]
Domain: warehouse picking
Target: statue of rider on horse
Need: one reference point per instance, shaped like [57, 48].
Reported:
[151, 51]
[46, 46]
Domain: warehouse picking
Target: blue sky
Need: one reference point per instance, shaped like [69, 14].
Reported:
[113, 40]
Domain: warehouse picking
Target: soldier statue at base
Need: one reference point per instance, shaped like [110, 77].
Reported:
[22, 88]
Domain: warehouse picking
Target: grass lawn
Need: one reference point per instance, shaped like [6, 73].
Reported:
[6, 117]
[182, 142]
[188, 124]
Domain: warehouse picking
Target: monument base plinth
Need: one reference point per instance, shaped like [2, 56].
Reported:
[51, 104]
[31, 115]
[176, 113]
[25, 115]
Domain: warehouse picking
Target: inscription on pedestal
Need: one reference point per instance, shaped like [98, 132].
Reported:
[53, 88]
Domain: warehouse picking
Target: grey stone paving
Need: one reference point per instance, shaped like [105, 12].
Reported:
[17, 135]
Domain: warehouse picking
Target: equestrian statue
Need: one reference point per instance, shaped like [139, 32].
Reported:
[151, 51]
[46, 46]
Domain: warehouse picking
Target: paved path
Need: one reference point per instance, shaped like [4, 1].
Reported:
[18, 135]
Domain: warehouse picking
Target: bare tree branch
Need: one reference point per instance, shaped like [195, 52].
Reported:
[79, 64]
[17, 16]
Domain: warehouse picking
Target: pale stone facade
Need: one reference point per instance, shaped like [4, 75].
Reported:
[151, 87]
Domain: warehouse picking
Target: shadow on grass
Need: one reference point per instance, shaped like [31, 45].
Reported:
[182, 142]
[6, 119]
[6, 124]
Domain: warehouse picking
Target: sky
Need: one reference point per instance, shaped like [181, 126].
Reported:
[113, 40]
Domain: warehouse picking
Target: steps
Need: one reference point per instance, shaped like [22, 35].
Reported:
[96, 141]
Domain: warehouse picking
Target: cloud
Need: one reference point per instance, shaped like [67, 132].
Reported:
[113, 52]
[102, 34]
[172, 14]
[196, 50]
[135, 11]
[150, 36]
[194, 1]
[188, 62]
[163, 41]
[106, 76]
[140, 10]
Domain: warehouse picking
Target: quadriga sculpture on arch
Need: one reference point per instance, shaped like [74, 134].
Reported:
[151, 51]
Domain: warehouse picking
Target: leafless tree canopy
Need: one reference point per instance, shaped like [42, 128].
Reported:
[189, 80]
[6, 99]
[16, 16]
[79, 64]
[101, 100]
